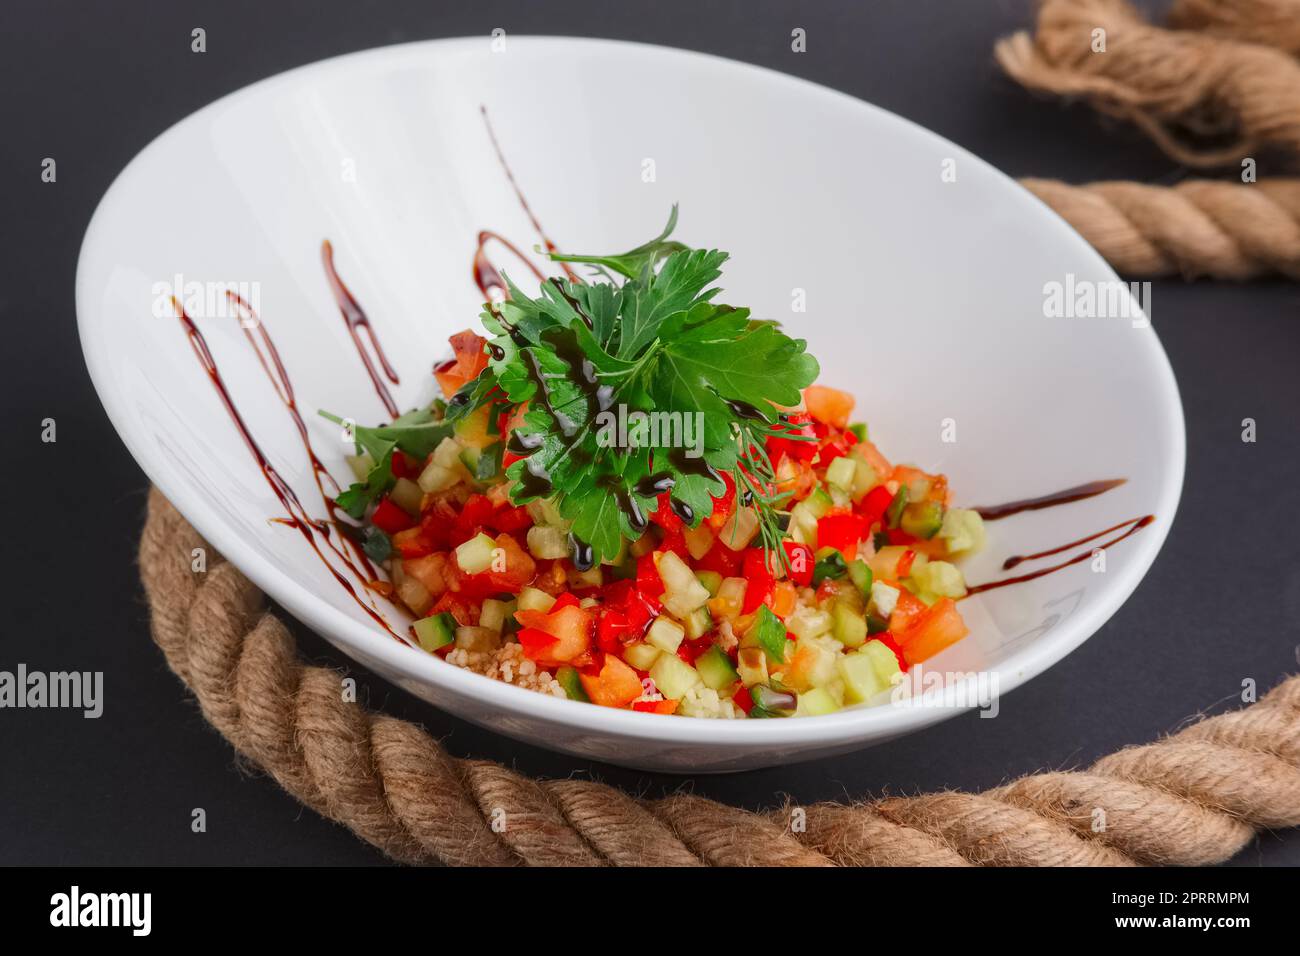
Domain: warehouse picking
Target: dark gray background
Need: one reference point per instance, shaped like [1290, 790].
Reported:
[92, 83]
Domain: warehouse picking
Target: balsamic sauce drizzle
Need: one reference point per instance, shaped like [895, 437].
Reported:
[298, 517]
[354, 317]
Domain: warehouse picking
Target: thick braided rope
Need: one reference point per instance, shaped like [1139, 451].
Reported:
[1273, 23]
[1194, 798]
[1205, 100]
[1198, 228]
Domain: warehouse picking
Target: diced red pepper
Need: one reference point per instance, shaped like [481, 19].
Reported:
[899, 536]
[800, 423]
[842, 530]
[723, 505]
[655, 706]
[905, 563]
[455, 604]
[802, 562]
[566, 599]
[689, 650]
[759, 581]
[875, 504]
[536, 642]
[512, 519]
[390, 518]
[720, 559]
[664, 517]
[742, 700]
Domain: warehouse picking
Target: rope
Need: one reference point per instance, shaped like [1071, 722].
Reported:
[1196, 797]
[1205, 100]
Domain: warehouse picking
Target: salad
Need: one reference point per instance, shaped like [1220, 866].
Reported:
[633, 495]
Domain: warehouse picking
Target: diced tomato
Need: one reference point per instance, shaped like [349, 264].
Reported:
[802, 562]
[413, 543]
[430, 570]
[647, 576]
[655, 706]
[477, 512]
[723, 506]
[390, 518]
[721, 559]
[675, 541]
[508, 424]
[465, 613]
[842, 530]
[907, 611]
[616, 685]
[564, 600]
[663, 515]
[403, 466]
[934, 629]
[783, 599]
[742, 700]
[899, 536]
[512, 519]
[613, 630]
[571, 626]
[873, 507]
[828, 405]
[759, 580]
[469, 361]
[690, 649]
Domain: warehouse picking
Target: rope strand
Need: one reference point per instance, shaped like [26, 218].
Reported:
[1196, 797]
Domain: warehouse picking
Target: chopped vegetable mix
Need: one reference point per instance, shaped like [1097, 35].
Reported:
[784, 568]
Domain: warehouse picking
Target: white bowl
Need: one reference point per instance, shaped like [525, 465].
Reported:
[925, 297]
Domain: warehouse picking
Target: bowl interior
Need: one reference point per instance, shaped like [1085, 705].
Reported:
[915, 271]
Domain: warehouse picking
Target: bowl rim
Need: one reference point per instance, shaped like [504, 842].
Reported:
[358, 638]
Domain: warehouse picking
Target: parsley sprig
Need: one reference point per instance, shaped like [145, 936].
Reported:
[654, 342]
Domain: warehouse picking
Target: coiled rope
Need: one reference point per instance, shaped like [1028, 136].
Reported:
[1196, 797]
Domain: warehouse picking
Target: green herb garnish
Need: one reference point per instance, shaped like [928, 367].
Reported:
[654, 343]
[417, 433]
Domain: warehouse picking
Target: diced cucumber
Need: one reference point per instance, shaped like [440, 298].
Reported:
[861, 682]
[641, 656]
[593, 577]
[447, 454]
[808, 622]
[435, 632]
[673, 676]
[698, 540]
[361, 465]
[436, 478]
[962, 530]
[876, 624]
[830, 565]
[683, 592]
[864, 478]
[922, 519]
[495, 614]
[883, 660]
[848, 628]
[739, 529]
[816, 664]
[469, 457]
[711, 580]
[884, 597]
[860, 574]
[543, 511]
[698, 623]
[407, 495]
[860, 430]
[714, 668]
[841, 473]
[771, 702]
[803, 523]
[414, 594]
[533, 599]
[819, 502]
[941, 579]
[894, 513]
[816, 702]
[665, 634]
[547, 542]
[475, 555]
[477, 639]
[572, 684]
[752, 665]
